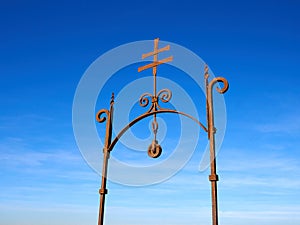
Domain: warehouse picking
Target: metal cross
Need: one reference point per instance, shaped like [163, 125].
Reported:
[155, 149]
[155, 62]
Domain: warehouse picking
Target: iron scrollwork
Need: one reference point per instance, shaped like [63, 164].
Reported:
[163, 95]
[219, 80]
[155, 150]
[100, 117]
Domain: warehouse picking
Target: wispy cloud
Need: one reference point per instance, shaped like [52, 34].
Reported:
[22, 121]
[260, 182]
[156, 214]
[292, 214]
[38, 158]
[288, 123]
[238, 160]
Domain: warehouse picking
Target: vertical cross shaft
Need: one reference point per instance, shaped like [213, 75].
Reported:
[154, 65]
[154, 71]
[155, 62]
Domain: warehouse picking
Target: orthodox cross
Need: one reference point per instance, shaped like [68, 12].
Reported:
[154, 149]
[155, 62]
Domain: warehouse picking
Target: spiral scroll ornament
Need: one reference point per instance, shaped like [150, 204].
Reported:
[219, 80]
[144, 100]
[100, 117]
[163, 95]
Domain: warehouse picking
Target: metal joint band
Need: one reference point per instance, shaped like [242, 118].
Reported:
[214, 177]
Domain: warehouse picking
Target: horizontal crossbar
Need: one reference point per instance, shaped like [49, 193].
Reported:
[154, 64]
[155, 52]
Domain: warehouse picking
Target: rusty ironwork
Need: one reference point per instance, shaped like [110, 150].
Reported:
[154, 149]
[108, 135]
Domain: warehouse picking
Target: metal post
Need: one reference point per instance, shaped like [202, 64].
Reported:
[213, 177]
[106, 153]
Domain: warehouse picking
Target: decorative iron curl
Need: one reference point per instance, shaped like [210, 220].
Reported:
[221, 80]
[99, 116]
[164, 95]
[144, 101]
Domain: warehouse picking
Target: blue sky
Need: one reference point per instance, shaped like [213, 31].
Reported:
[46, 48]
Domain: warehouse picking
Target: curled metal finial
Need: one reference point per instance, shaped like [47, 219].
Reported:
[221, 80]
[100, 117]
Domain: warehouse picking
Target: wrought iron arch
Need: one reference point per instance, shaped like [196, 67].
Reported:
[154, 150]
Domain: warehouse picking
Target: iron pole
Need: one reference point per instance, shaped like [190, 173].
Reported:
[213, 177]
[106, 153]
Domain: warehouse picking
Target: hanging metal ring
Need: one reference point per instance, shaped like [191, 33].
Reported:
[154, 149]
